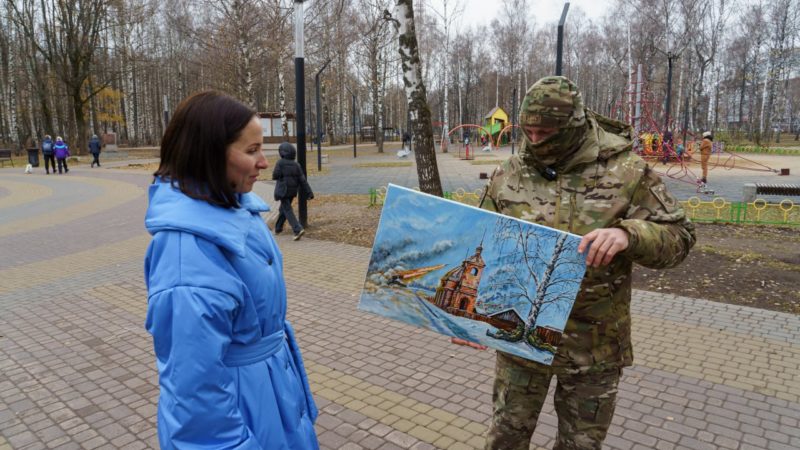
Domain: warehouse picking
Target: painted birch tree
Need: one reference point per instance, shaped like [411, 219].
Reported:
[535, 272]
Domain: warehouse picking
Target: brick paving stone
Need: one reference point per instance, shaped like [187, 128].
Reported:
[372, 442]
[401, 439]
[663, 445]
[345, 430]
[331, 439]
[694, 444]
[641, 438]
[351, 446]
[328, 422]
[663, 434]
[21, 439]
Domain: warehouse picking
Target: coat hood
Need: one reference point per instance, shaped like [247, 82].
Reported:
[595, 144]
[287, 151]
[172, 210]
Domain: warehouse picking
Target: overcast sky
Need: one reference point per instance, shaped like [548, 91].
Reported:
[480, 12]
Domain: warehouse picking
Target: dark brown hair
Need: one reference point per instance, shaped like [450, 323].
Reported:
[194, 146]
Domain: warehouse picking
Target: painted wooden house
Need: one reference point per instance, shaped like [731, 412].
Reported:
[549, 335]
[507, 319]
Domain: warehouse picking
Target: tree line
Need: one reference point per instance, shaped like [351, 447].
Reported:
[74, 68]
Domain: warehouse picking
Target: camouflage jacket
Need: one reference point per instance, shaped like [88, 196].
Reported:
[603, 185]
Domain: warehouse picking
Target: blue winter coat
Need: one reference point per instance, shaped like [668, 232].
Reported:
[230, 371]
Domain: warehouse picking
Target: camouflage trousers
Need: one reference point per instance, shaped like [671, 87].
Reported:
[584, 402]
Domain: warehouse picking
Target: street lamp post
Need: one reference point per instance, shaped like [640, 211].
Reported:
[354, 125]
[300, 101]
[670, 58]
[319, 118]
[353, 119]
[560, 42]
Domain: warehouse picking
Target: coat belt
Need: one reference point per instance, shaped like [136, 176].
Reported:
[246, 354]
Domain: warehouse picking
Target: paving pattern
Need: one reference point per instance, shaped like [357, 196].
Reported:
[77, 368]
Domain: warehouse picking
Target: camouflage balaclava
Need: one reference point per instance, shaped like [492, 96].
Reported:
[553, 102]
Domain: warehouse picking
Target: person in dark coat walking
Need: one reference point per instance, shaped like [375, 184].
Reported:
[290, 183]
[94, 149]
[47, 153]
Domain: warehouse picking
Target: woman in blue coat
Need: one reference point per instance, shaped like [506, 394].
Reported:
[230, 371]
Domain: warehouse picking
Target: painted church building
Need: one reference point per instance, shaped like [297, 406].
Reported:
[458, 288]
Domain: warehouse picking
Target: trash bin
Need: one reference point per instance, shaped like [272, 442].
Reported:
[33, 157]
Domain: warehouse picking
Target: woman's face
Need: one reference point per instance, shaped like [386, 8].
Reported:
[245, 159]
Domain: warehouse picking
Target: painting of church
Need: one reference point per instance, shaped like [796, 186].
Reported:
[458, 288]
[445, 267]
[457, 294]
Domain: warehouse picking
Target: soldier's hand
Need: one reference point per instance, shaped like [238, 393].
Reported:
[606, 243]
[459, 341]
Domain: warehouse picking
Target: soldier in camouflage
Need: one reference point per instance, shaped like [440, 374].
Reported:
[576, 173]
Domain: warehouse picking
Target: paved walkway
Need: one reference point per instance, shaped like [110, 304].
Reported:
[77, 368]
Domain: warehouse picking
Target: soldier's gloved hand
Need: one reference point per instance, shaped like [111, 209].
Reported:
[606, 243]
[460, 341]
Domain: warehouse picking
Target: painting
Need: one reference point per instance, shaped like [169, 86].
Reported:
[472, 274]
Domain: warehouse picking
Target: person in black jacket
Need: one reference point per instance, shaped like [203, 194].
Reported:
[290, 183]
[94, 149]
[47, 152]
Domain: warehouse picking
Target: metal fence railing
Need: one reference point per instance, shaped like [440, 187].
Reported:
[718, 210]
[378, 195]
[758, 212]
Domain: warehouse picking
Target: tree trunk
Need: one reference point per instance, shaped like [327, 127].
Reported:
[282, 98]
[381, 112]
[445, 90]
[13, 122]
[375, 63]
[78, 144]
[420, 113]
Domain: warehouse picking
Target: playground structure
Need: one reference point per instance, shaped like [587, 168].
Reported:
[467, 148]
[673, 152]
[677, 148]
[480, 136]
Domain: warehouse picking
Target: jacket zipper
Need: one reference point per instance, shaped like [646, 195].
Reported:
[573, 207]
[557, 214]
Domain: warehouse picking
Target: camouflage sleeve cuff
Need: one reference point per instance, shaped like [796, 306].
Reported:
[656, 245]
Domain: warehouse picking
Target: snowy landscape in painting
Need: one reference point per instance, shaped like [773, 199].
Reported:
[472, 274]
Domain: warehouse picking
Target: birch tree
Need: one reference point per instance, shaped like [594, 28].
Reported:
[419, 112]
[448, 15]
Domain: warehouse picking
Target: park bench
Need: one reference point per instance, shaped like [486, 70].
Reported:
[5, 155]
[751, 190]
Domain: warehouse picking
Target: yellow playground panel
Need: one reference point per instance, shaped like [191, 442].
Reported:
[718, 210]
[757, 212]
